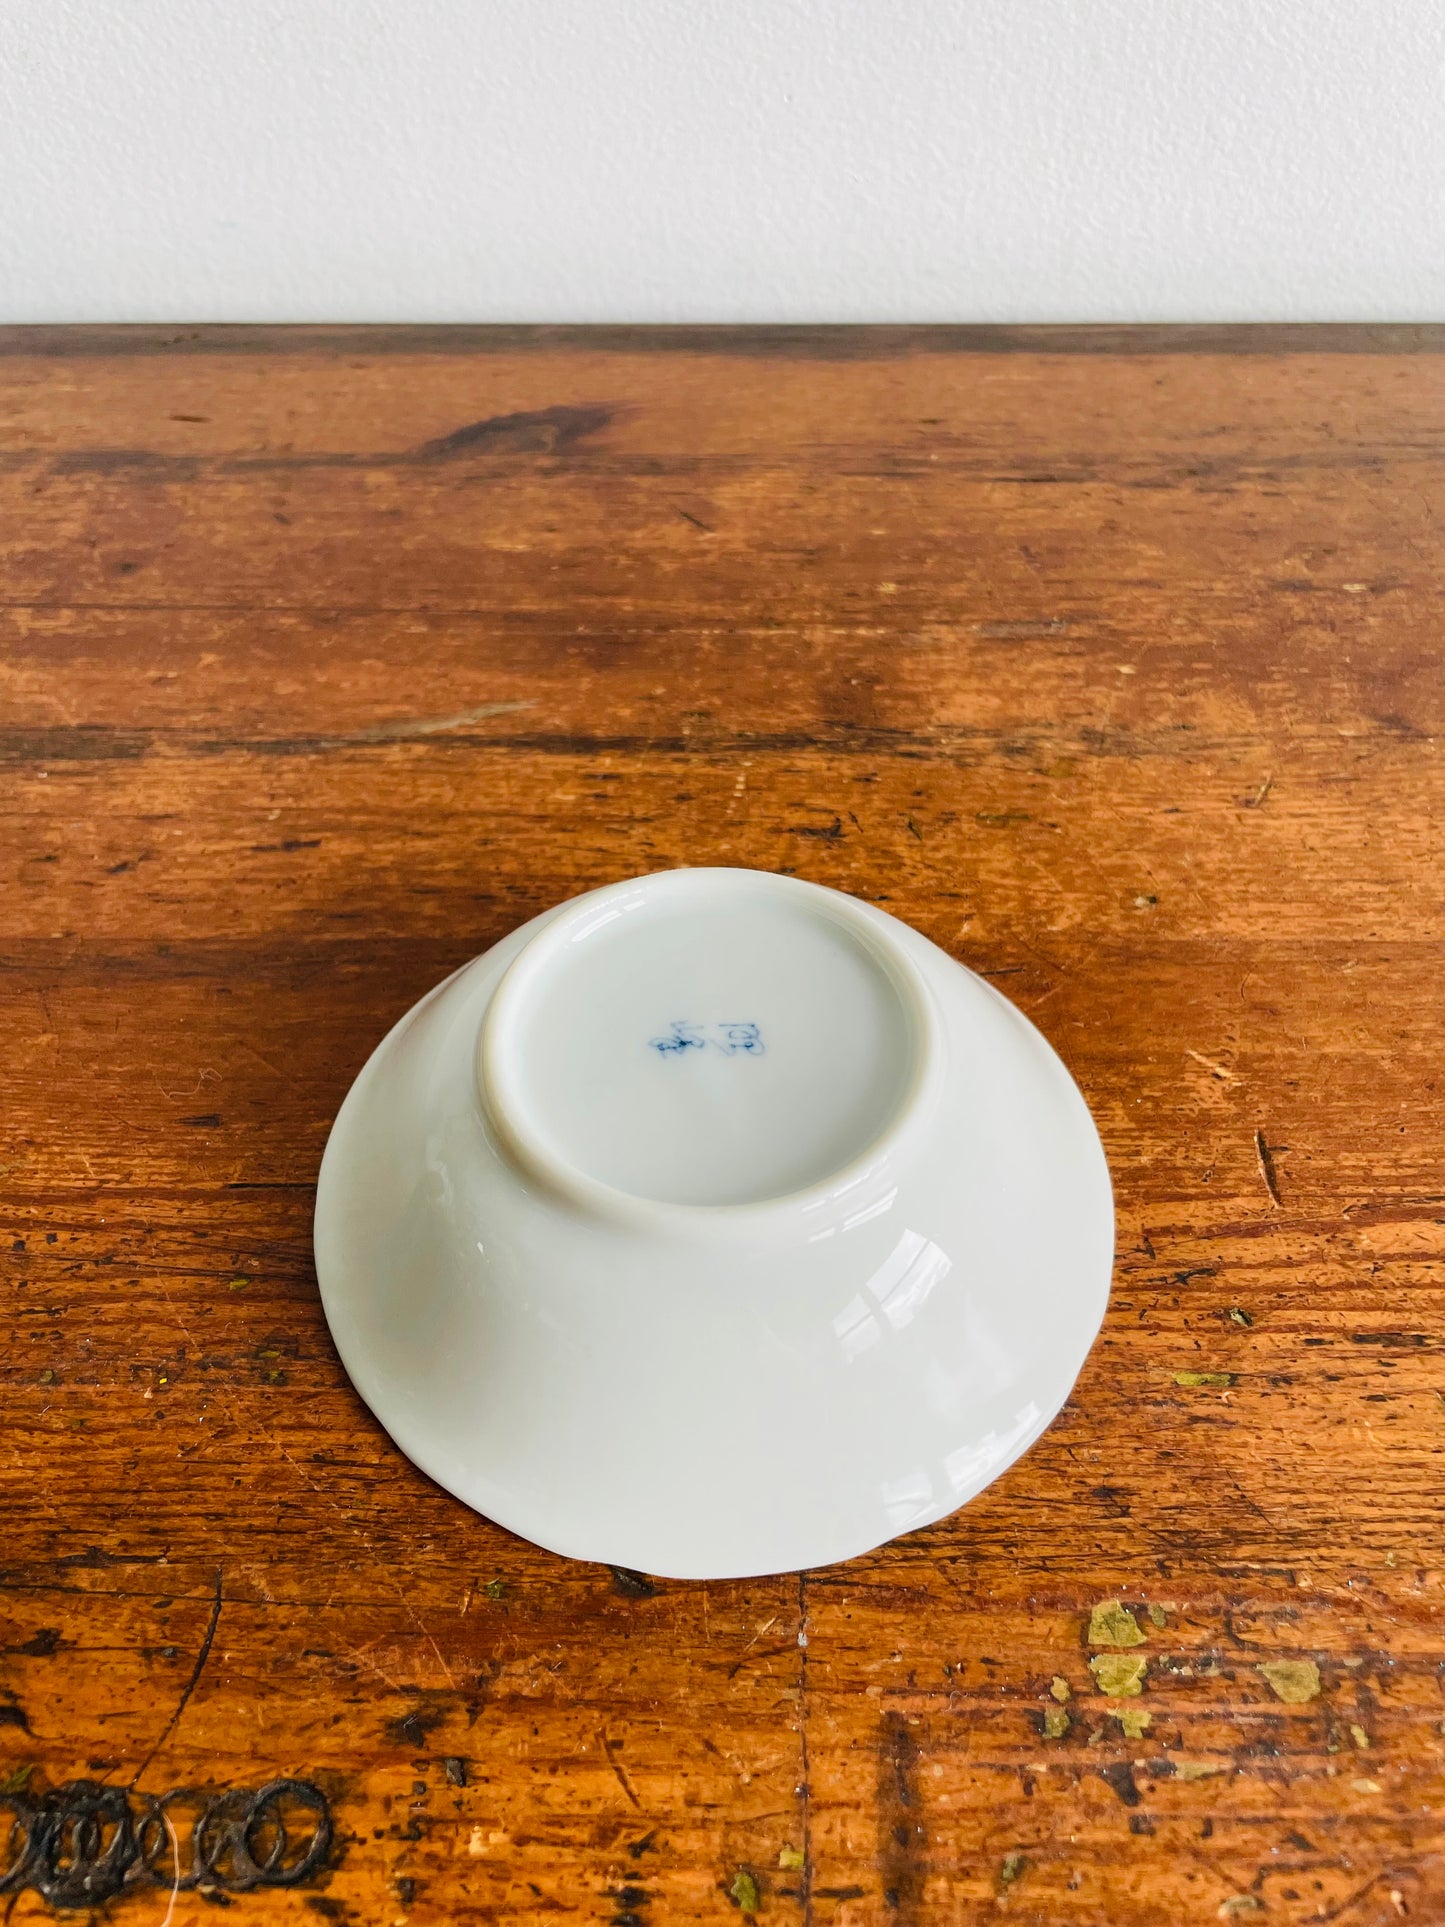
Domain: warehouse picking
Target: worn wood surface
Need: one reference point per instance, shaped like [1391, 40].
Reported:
[1111, 661]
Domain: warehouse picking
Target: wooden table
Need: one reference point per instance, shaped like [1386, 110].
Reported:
[1110, 660]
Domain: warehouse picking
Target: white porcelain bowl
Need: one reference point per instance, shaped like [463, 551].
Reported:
[714, 1224]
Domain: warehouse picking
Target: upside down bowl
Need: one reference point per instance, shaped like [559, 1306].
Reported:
[714, 1224]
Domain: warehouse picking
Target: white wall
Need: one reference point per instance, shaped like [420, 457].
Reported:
[721, 159]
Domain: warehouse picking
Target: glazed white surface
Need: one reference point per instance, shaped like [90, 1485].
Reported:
[735, 1387]
[715, 1042]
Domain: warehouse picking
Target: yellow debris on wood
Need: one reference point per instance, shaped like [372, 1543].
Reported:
[1112, 1624]
[1292, 1680]
[744, 1891]
[1120, 1675]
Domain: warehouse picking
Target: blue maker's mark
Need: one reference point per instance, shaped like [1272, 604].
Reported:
[733, 1040]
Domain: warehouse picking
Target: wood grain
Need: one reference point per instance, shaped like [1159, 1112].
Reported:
[1113, 662]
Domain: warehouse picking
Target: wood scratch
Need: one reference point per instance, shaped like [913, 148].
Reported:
[1215, 1070]
[406, 727]
[1253, 1503]
[412, 1614]
[616, 1765]
[766, 1626]
[180, 1097]
[360, 1656]
[260, 1432]
[190, 1686]
[1265, 1159]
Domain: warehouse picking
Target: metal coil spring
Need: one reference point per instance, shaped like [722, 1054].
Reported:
[83, 1843]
